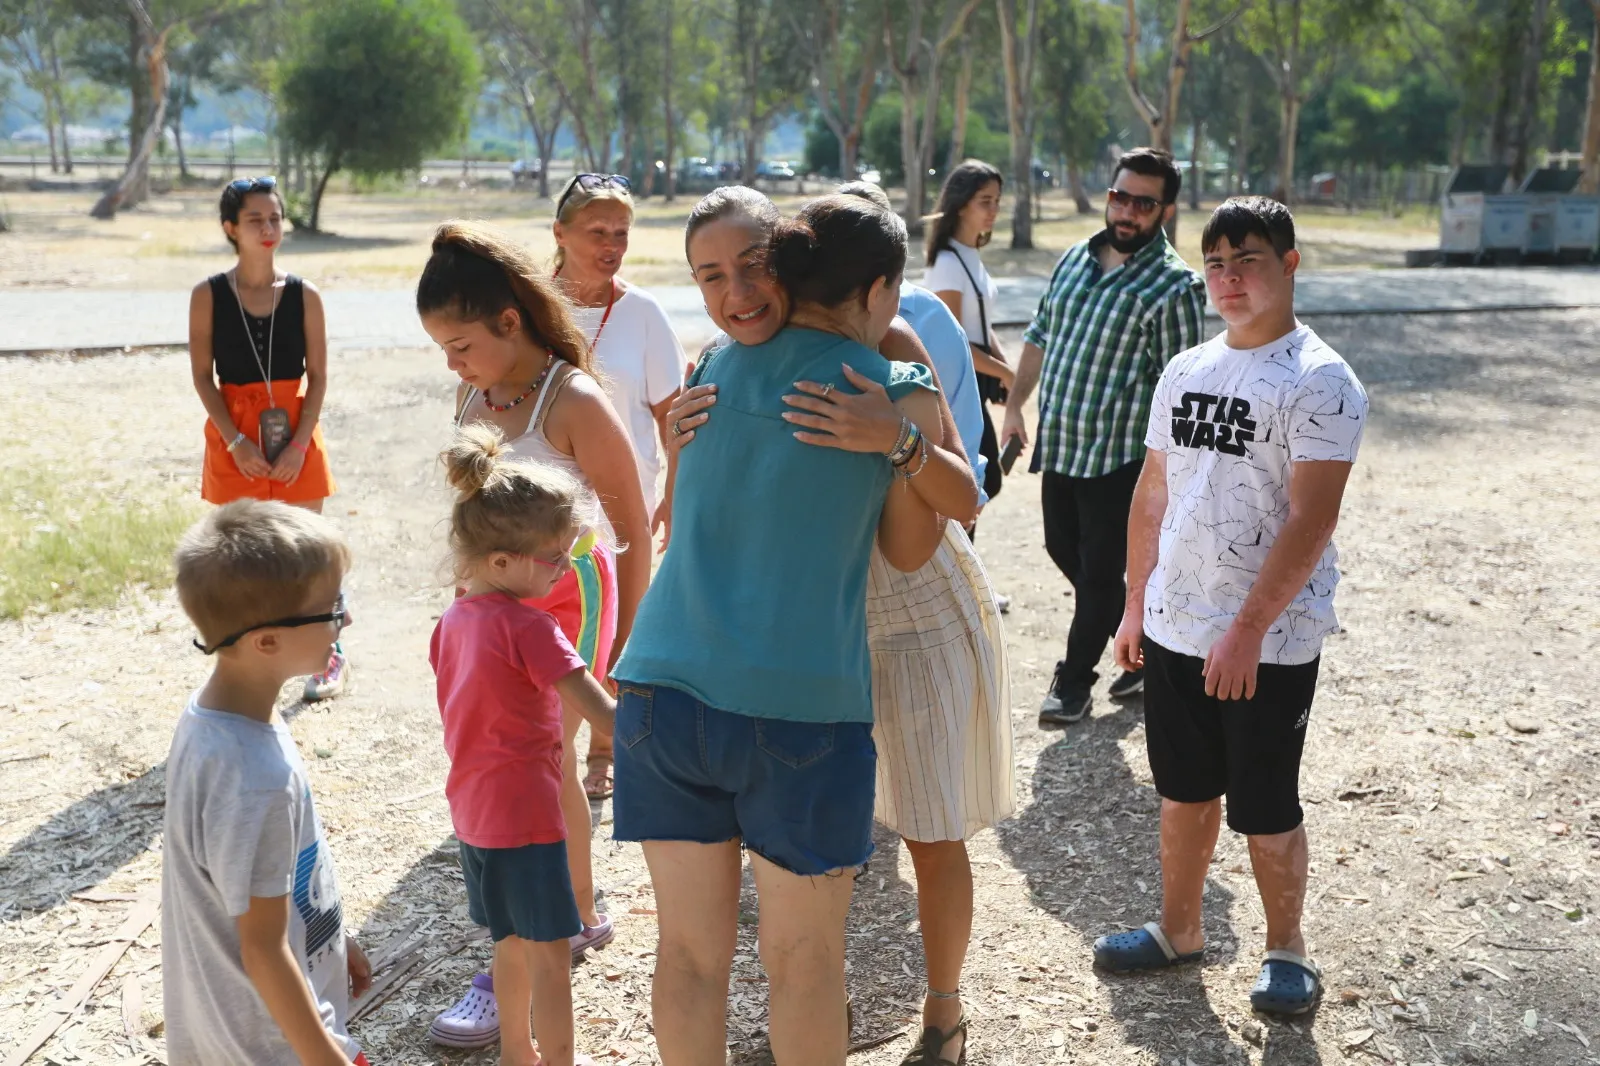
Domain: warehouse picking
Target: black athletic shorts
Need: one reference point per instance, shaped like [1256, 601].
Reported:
[1201, 747]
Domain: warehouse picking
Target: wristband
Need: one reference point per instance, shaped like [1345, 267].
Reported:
[301, 448]
[239, 439]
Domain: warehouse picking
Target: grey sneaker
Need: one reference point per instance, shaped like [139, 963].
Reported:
[1066, 703]
[1130, 683]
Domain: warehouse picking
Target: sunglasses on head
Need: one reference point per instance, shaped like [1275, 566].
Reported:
[1142, 204]
[591, 182]
[339, 616]
[242, 187]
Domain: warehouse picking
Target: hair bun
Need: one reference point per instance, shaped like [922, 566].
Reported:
[794, 250]
[472, 457]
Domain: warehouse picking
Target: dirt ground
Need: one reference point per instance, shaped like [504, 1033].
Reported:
[381, 240]
[1454, 858]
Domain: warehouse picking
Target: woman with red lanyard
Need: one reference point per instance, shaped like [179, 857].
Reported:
[527, 370]
[635, 351]
[258, 354]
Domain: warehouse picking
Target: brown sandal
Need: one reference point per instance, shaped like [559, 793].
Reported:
[598, 784]
[926, 1053]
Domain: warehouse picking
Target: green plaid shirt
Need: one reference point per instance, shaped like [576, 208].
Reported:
[1106, 339]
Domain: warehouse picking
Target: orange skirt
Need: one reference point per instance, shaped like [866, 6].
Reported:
[220, 479]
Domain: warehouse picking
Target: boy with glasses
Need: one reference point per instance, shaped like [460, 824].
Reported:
[256, 964]
[1119, 306]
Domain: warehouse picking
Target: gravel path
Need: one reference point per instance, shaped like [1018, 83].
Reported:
[1454, 858]
[57, 320]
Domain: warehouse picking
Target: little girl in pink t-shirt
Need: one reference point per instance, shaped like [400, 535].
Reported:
[504, 672]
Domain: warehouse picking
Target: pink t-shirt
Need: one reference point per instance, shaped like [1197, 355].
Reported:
[497, 662]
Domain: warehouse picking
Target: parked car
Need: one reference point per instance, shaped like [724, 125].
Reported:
[1042, 178]
[776, 170]
[729, 171]
[866, 173]
[525, 171]
[697, 173]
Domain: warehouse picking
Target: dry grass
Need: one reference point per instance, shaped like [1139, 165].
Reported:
[65, 543]
[380, 240]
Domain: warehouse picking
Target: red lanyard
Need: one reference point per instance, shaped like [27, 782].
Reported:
[603, 318]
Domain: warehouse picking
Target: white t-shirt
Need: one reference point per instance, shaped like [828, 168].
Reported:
[1231, 423]
[643, 364]
[240, 823]
[946, 275]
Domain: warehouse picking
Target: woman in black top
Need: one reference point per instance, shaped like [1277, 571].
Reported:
[258, 354]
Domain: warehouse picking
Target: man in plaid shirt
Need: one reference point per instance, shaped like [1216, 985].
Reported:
[1120, 306]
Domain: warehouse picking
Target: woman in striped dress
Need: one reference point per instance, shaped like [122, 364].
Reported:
[941, 701]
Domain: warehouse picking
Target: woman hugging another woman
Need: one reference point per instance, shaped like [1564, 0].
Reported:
[939, 677]
[745, 714]
[528, 371]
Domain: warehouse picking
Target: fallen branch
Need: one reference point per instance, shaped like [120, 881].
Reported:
[139, 918]
[406, 966]
[1524, 947]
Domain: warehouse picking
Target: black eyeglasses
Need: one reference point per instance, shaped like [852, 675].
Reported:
[1142, 204]
[591, 182]
[339, 616]
[241, 187]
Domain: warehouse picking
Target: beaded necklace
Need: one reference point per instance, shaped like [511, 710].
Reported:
[549, 362]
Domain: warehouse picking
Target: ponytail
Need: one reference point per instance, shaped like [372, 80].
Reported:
[475, 273]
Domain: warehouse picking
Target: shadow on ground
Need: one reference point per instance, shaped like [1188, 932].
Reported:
[82, 845]
[1088, 846]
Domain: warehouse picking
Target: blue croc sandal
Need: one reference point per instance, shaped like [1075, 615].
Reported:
[1139, 949]
[1289, 984]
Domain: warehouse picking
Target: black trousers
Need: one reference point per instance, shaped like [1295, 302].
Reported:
[1086, 534]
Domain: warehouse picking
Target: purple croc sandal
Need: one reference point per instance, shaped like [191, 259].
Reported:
[474, 1020]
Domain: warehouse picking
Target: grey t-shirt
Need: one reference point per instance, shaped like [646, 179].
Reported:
[240, 823]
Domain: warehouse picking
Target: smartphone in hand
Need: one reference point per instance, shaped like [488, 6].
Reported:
[1008, 458]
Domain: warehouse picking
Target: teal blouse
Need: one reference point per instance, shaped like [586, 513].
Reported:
[759, 607]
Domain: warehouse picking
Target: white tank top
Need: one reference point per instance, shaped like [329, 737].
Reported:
[532, 443]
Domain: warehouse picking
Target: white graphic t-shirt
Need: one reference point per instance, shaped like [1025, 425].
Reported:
[240, 823]
[1232, 423]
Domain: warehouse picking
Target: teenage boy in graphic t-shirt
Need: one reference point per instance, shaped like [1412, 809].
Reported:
[1231, 575]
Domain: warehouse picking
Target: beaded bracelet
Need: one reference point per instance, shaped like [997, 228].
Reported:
[901, 441]
[904, 456]
[237, 440]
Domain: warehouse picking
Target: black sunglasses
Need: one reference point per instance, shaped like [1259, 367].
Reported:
[1142, 204]
[591, 182]
[339, 616]
[242, 187]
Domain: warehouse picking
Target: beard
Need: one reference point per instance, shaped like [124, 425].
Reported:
[1127, 245]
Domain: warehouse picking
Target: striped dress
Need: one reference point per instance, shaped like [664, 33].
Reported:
[941, 695]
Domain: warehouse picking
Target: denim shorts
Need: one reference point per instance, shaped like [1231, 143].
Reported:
[524, 892]
[799, 794]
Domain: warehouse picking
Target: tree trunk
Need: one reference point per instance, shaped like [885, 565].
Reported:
[1242, 143]
[177, 141]
[911, 157]
[671, 191]
[66, 147]
[1197, 177]
[134, 186]
[1590, 183]
[1528, 91]
[1080, 195]
[546, 144]
[138, 89]
[1288, 130]
[958, 126]
[50, 132]
[1016, 52]
[316, 197]
[850, 144]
